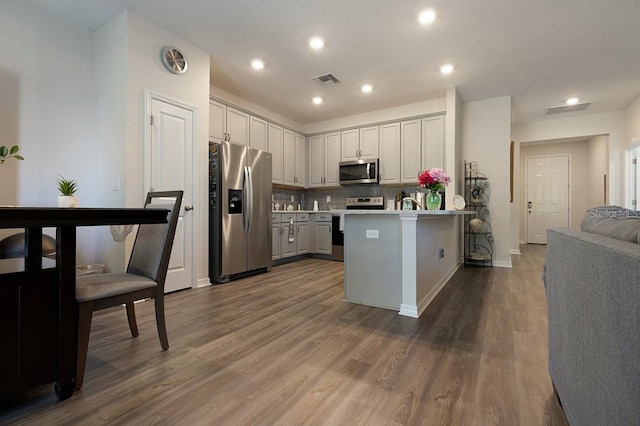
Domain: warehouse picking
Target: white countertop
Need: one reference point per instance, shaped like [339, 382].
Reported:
[305, 211]
[409, 213]
[386, 212]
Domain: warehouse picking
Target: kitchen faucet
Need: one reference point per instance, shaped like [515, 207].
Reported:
[413, 200]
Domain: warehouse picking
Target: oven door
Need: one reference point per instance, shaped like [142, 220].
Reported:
[337, 239]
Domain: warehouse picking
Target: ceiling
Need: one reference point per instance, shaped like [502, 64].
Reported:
[539, 52]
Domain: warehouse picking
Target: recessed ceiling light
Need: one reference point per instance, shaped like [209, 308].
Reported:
[316, 43]
[446, 69]
[572, 101]
[427, 16]
[257, 64]
[317, 100]
[366, 88]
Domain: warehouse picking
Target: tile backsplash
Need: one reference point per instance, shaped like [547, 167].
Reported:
[306, 197]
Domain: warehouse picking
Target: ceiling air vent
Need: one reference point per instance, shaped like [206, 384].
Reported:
[326, 80]
[568, 108]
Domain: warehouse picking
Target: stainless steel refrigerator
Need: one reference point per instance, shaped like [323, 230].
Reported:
[239, 211]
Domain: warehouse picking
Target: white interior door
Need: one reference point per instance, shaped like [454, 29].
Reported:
[172, 141]
[547, 196]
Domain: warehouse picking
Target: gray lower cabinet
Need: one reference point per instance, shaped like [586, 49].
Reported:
[276, 231]
[290, 235]
[302, 233]
[299, 233]
[323, 233]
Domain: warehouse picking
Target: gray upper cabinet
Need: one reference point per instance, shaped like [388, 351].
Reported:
[421, 146]
[433, 142]
[228, 124]
[369, 138]
[324, 158]
[349, 145]
[258, 134]
[276, 148]
[410, 140]
[237, 126]
[217, 121]
[359, 144]
[390, 154]
[300, 162]
[289, 158]
[404, 148]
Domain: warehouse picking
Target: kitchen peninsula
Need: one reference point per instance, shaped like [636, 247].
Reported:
[399, 259]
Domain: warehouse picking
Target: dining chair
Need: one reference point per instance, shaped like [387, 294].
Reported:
[144, 278]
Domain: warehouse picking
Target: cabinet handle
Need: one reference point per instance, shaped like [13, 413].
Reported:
[329, 228]
[297, 229]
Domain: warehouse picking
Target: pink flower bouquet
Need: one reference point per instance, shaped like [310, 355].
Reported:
[434, 179]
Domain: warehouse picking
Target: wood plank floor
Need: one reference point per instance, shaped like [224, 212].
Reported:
[283, 348]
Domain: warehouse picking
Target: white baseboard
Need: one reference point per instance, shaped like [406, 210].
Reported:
[515, 251]
[202, 282]
[409, 311]
[416, 311]
[503, 263]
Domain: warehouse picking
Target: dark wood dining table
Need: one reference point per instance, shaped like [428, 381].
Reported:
[38, 315]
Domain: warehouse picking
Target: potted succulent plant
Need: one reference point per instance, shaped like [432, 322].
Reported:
[67, 188]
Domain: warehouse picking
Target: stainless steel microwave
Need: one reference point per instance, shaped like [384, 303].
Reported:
[358, 172]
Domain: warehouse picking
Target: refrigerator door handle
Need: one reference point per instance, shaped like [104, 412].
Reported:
[248, 211]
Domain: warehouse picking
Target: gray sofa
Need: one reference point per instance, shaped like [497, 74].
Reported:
[592, 284]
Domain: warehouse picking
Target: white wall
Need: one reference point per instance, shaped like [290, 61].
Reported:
[454, 161]
[582, 190]
[611, 124]
[47, 107]
[74, 100]
[598, 154]
[110, 57]
[632, 121]
[128, 62]
[486, 136]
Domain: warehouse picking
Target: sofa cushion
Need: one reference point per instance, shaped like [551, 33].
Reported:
[614, 222]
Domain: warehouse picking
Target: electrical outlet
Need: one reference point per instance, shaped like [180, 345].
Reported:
[440, 253]
[372, 233]
[116, 184]
[328, 198]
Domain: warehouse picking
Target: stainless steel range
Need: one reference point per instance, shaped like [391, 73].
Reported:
[365, 203]
[352, 203]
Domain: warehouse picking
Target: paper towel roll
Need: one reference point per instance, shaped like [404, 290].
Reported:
[315, 205]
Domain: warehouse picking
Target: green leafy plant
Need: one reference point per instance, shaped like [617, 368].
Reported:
[67, 186]
[6, 153]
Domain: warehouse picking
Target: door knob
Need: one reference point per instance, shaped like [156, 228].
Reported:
[188, 207]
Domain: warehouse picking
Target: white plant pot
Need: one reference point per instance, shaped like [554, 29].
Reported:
[67, 201]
